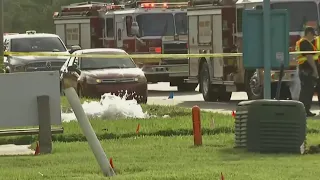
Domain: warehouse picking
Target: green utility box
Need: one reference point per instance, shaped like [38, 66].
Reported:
[271, 126]
[253, 46]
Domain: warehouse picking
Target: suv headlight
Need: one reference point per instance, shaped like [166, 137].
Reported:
[140, 79]
[91, 80]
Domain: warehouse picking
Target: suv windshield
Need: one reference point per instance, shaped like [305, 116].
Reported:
[181, 23]
[157, 24]
[299, 13]
[88, 63]
[37, 44]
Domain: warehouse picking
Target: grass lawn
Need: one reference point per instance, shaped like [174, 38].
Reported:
[163, 150]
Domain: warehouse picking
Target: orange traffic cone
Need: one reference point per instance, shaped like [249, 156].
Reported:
[222, 177]
[111, 163]
[233, 114]
[37, 150]
[138, 129]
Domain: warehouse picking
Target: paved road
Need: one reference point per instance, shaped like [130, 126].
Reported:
[158, 94]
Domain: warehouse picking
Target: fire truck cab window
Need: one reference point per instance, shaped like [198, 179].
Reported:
[300, 13]
[128, 25]
[157, 24]
[110, 27]
[181, 21]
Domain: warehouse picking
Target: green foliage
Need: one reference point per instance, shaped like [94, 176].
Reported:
[23, 15]
[163, 149]
[178, 123]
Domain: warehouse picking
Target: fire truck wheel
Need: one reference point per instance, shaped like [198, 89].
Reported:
[254, 88]
[185, 87]
[79, 91]
[205, 84]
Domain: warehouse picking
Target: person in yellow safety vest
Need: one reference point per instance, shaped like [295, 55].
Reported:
[308, 71]
[317, 45]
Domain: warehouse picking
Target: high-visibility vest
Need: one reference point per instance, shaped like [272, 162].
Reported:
[317, 45]
[301, 59]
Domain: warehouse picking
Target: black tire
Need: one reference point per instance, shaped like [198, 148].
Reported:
[6, 70]
[79, 91]
[205, 84]
[254, 88]
[143, 101]
[187, 87]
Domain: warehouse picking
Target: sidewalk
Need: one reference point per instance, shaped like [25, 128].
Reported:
[11, 149]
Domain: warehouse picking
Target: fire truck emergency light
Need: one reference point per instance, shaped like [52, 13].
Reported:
[157, 50]
[164, 5]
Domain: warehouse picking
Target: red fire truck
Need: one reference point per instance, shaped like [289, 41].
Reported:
[216, 27]
[138, 28]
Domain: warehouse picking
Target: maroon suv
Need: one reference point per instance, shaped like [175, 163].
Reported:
[94, 76]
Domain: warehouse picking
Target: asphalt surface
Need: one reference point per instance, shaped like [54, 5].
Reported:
[159, 93]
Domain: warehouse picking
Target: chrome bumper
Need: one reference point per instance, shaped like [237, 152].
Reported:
[173, 70]
[287, 76]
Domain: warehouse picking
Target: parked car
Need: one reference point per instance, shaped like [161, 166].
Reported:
[92, 77]
[32, 42]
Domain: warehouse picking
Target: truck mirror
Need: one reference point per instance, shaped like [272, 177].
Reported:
[74, 48]
[135, 29]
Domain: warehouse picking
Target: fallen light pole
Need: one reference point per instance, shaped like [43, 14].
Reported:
[88, 131]
[197, 136]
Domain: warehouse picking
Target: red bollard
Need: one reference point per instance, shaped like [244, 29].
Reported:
[111, 163]
[197, 136]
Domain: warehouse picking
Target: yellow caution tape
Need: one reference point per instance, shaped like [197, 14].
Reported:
[139, 56]
[142, 56]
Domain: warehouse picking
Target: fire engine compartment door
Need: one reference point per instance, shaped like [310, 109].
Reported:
[193, 45]
[60, 31]
[205, 31]
[85, 36]
[72, 33]
[119, 26]
[217, 63]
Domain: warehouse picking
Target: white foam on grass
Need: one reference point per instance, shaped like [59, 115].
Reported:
[109, 107]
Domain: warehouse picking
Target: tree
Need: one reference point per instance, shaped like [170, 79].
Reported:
[23, 15]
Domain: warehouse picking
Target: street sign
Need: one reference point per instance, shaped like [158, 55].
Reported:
[280, 56]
